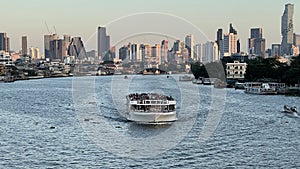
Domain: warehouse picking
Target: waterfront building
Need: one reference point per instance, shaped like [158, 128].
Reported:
[5, 58]
[189, 44]
[287, 29]
[256, 42]
[24, 45]
[103, 41]
[236, 70]
[4, 42]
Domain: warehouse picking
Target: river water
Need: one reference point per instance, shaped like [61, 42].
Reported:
[78, 123]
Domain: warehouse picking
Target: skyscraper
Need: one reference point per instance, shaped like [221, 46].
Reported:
[24, 46]
[47, 40]
[164, 51]
[4, 42]
[210, 52]
[198, 52]
[77, 49]
[287, 29]
[256, 42]
[31, 53]
[232, 30]
[219, 36]
[37, 53]
[228, 45]
[103, 41]
[189, 44]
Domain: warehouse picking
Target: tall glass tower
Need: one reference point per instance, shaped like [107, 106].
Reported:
[287, 29]
[103, 41]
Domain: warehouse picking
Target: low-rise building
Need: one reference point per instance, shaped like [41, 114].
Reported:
[236, 70]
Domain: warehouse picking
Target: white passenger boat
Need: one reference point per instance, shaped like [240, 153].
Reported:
[259, 88]
[150, 108]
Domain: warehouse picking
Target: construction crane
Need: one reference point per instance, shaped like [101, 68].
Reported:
[48, 28]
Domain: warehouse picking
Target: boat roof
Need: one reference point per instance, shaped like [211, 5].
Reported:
[149, 96]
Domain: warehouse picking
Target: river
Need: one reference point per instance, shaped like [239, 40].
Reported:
[78, 123]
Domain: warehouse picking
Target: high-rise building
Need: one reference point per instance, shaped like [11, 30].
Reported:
[103, 41]
[189, 44]
[77, 49]
[297, 40]
[135, 52]
[276, 49]
[256, 42]
[59, 47]
[232, 30]
[164, 51]
[176, 46]
[210, 52]
[124, 52]
[238, 46]
[31, 53]
[198, 52]
[47, 40]
[37, 53]
[4, 42]
[219, 36]
[287, 29]
[24, 45]
[228, 45]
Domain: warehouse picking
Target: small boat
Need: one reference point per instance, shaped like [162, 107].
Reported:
[150, 108]
[291, 110]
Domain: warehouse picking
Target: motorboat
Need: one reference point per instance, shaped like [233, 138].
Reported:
[150, 108]
[290, 110]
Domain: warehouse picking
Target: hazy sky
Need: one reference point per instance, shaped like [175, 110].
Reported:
[82, 17]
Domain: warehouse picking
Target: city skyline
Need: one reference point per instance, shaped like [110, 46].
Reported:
[206, 16]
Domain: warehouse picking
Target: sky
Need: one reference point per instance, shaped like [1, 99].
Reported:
[167, 18]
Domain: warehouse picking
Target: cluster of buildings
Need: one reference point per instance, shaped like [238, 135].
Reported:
[71, 50]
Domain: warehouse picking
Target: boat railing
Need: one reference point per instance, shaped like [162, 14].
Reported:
[153, 102]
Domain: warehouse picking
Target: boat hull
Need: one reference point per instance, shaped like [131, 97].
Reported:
[151, 117]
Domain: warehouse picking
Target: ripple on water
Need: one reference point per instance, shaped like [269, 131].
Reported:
[253, 133]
